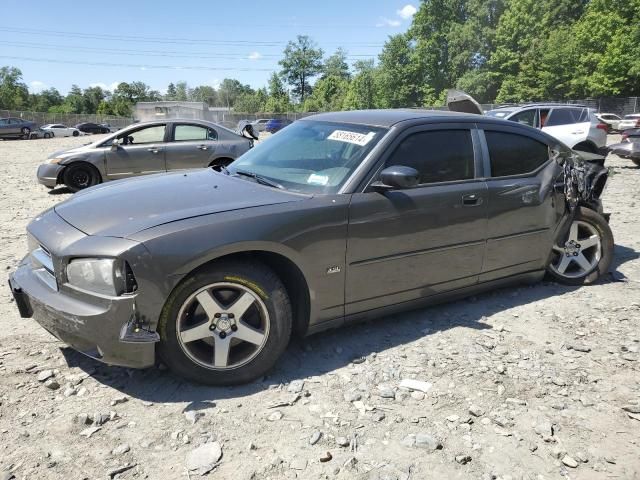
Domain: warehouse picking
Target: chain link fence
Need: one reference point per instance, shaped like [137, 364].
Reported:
[69, 119]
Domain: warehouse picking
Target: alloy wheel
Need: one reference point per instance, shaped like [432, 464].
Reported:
[223, 326]
[581, 252]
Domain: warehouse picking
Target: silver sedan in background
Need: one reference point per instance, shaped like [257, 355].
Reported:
[144, 148]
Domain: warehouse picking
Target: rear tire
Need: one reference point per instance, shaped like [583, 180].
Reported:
[75, 133]
[267, 316]
[79, 176]
[588, 243]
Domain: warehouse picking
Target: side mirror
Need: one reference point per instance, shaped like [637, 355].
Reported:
[114, 144]
[397, 177]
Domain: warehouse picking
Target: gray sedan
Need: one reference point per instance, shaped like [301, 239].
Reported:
[144, 148]
[340, 217]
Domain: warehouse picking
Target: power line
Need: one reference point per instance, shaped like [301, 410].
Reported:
[154, 53]
[166, 40]
[141, 66]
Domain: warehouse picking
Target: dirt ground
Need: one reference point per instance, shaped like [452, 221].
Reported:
[538, 382]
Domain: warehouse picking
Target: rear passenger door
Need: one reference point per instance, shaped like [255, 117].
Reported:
[523, 206]
[191, 146]
[569, 125]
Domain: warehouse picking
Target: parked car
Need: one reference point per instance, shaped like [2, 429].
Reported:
[141, 149]
[629, 121]
[61, 130]
[12, 127]
[276, 124]
[574, 125]
[260, 124]
[108, 127]
[611, 119]
[88, 127]
[40, 133]
[340, 217]
[629, 147]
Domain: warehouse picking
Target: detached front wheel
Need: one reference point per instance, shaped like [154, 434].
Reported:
[227, 324]
[585, 252]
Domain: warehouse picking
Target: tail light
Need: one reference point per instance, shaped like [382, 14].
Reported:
[624, 135]
[603, 126]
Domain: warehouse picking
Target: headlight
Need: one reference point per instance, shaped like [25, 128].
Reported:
[55, 160]
[92, 274]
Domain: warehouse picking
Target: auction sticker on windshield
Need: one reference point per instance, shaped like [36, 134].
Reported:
[351, 137]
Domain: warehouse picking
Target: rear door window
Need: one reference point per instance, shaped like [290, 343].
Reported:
[514, 154]
[438, 155]
[190, 133]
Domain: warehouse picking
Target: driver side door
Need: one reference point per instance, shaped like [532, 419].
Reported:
[139, 152]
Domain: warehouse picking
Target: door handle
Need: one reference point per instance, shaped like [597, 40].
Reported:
[471, 200]
[203, 147]
[153, 149]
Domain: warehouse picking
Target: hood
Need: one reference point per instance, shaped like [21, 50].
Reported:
[125, 207]
[69, 151]
[459, 101]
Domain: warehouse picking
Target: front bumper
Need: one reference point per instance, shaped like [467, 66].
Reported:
[48, 174]
[89, 324]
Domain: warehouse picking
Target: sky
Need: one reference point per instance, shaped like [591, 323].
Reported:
[66, 42]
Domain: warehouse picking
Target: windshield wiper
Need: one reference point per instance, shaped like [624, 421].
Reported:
[260, 179]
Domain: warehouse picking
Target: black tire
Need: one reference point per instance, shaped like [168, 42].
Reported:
[75, 133]
[26, 133]
[254, 277]
[599, 225]
[79, 176]
[47, 135]
[636, 161]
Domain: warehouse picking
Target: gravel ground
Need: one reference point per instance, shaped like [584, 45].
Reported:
[537, 382]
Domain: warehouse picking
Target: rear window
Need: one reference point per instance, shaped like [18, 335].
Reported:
[513, 154]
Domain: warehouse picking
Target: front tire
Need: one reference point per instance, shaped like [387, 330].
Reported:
[75, 133]
[586, 251]
[79, 176]
[225, 324]
[26, 133]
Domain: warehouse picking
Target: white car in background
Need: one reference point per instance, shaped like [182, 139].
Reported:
[629, 121]
[574, 125]
[610, 119]
[60, 130]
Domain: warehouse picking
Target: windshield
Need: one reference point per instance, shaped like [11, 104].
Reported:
[310, 156]
[499, 113]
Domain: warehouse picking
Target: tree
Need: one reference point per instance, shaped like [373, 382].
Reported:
[182, 92]
[13, 92]
[43, 101]
[401, 82]
[206, 94]
[362, 89]
[302, 61]
[328, 95]
[229, 91]
[336, 65]
[171, 92]
[92, 97]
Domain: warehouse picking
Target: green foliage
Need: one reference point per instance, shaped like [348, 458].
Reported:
[13, 92]
[336, 65]
[301, 61]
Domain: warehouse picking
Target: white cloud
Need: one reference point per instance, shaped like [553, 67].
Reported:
[254, 56]
[388, 22]
[37, 86]
[111, 87]
[407, 11]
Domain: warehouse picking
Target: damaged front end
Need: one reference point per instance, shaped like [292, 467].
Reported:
[585, 178]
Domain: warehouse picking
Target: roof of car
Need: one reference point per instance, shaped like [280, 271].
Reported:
[547, 104]
[387, 118]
